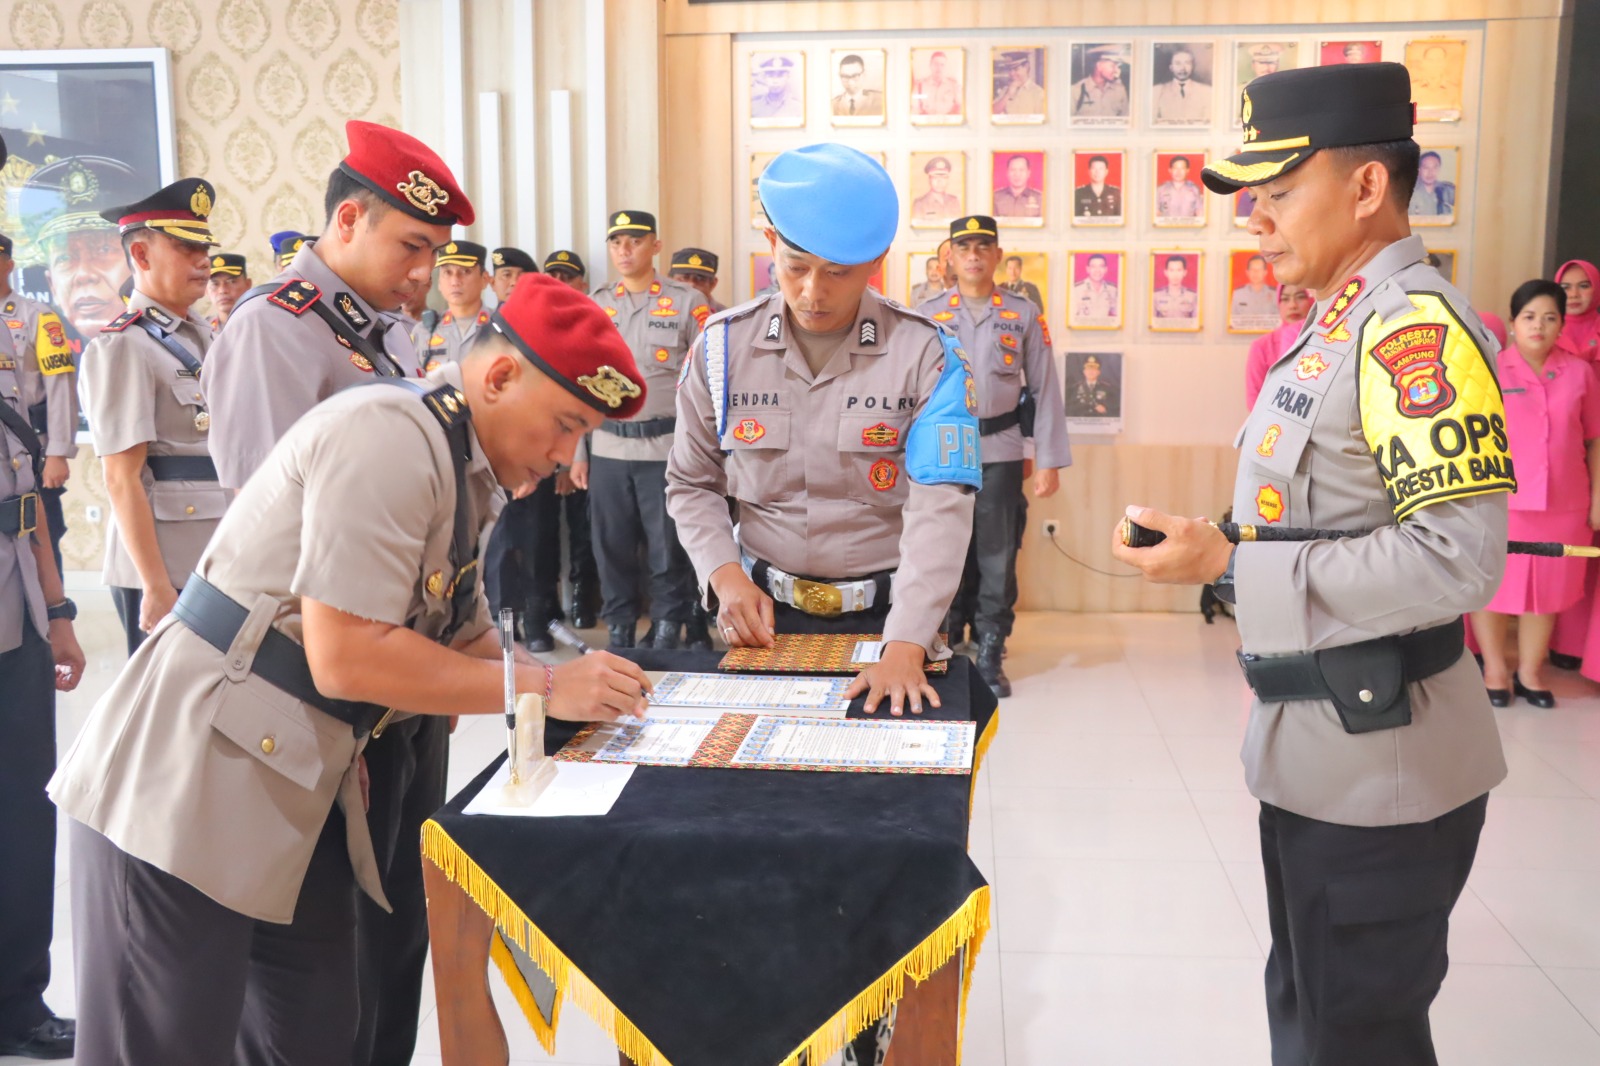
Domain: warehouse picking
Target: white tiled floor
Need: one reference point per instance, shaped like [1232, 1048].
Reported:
[1130, 919]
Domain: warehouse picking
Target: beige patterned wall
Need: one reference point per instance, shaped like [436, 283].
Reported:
[261, 91]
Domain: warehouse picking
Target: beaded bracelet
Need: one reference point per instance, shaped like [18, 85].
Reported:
[549, 684]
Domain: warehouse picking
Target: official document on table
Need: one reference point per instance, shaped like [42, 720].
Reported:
[753, 693]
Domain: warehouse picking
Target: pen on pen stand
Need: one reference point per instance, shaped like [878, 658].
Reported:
[508, 646]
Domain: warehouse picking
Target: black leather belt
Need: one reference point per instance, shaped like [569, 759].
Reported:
[650, 427]
[181, 467]
[19, 515]
[1366, 681]
[988, 427]
[217, 618]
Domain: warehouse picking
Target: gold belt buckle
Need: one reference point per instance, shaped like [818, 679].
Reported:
[383, 723]
[24, 527]
[813, 597]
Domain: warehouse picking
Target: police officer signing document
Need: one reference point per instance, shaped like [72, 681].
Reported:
[1371, 744]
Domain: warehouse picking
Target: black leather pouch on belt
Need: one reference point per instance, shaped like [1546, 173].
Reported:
[1365, 682]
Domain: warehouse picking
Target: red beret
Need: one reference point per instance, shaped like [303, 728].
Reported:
[567, 336]
[406, 173]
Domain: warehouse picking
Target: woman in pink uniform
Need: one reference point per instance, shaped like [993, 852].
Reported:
[1294, 303]
[1580, 335]
[1553, 419]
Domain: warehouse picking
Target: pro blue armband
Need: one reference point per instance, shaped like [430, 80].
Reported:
[942, 445]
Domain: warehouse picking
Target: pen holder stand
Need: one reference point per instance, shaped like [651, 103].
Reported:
[534, 770]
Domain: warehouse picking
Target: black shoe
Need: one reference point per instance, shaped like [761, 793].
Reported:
[623, 636]
[52, 1038]
[1542, 698]
[991, 652]
[696, 635]
[582, 618]
[664, 635]
[584, 603]
[540, 642]
[1499, 697]
[1565, 662]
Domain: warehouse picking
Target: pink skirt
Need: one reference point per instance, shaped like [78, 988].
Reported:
[1535, 585]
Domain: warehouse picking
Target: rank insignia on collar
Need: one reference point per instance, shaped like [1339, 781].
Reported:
[121, 322]
[869, 333]
[609, 386]
[1269, 503]
[655, 288]
[775, 328]
[1342, 302]
[944, 316]
[995, 299]
[483, 318]
[883, 475]
[955, 299]
[159, 317]
[1310, 367]
[422, 192]
[1010, 315]
[1269, 441]
[881, 435]
[296, 296]
[350, 311]
[749, 431]
[662, 355]
[620, 291]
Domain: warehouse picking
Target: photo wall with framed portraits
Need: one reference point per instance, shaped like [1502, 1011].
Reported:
[1087, 146]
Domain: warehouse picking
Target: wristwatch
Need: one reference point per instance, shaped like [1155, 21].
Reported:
[65, 609]
[1223, 586]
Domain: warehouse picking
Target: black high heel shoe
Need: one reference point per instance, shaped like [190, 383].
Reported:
[1499, 697]
[1539, 697]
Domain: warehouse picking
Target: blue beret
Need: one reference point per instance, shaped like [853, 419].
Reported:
[831, 201]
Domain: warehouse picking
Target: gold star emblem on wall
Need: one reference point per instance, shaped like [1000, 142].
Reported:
[8, 104]
[35, 134]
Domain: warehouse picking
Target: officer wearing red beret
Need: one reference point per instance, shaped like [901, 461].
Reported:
[216, 861]
[329, 322]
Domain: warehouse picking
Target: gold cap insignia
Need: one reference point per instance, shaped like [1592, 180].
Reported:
[610, 386]
[82, 183]
[499, 259]
[972, 223]
[422, 192]
[695, 260]
[450, 249]
[563, 256]
[219, 262]
[200, 202]
[623, 220]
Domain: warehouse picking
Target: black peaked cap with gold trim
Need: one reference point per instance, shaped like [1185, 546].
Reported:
[630, 222]
[974, 226]
[1292, 114]
[230, 264]
[181, 210]
[695, 261]
[462, 254]
[567, 260]
[512, 257]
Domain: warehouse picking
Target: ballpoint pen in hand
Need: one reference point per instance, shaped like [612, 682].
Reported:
[508, 646]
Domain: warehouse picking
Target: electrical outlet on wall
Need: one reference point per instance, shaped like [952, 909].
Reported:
[1050, 528]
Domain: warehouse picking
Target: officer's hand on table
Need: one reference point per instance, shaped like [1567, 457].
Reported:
[899, 676]
[598, 687]
[156, 604]
[745, 613]
[1046, 482]
[67, 654]
[1194, 553]
[564, 485]
[55, 472]
[580, 476]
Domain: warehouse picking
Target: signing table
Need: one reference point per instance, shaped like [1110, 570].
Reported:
[719, 917]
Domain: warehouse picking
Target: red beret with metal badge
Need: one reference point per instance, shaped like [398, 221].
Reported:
[405, 173]
[568, 337]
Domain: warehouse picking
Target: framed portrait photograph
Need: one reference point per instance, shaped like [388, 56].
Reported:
[938, 187]
[1244, 204]
[86, 130]
[1438, 68]
[1101, 84]
[1178, 198]
[1018, 97]
[857, 94]
[1331, 53]
[1097, 184]
[1181, 76]
[925, 276]
[1433, 201]
[1028, 275]
[1094, 391]
[938, 86]
[1444, 261]
[758, 165]
[763, 279]
[1252, 59]
[1175, 294]
[1095, 290]
[778, 90]
[1252, 293]
[1017, 179]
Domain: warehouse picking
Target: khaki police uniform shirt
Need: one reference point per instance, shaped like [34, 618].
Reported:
[21, 598]
[1306, 460]
[448, 340]
[817, 461]
[136, 392]
[47, 371]
[1006, 341]
[270, 366]
[659, 325]
[204, 770]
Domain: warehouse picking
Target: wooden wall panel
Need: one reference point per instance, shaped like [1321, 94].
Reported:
[697, 150]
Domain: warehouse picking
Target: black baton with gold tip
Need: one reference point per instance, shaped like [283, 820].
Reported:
[1134, 535]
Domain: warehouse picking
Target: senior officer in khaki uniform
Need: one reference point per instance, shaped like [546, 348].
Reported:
[844, 426]
[625, 466]
[327, 323]
[462, 279]
[47, 385]
[218, 843]
[1008, 343]
[140, 380]
[1371, 744]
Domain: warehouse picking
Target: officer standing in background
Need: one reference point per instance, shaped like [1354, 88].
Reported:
[142, 392]
[1371, 744]
[626, 471]
[35, 632]
[567, 267]
[230, 279]
[1008, 344]
[462, 279]
[286, 244]
[697, 268]
[507, 265]
[328, 324]
[47, 387]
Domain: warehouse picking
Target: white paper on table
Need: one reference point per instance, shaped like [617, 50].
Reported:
[870, 744]
[754, 693]
[867, 651]
[659, 741]
[579, 790]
